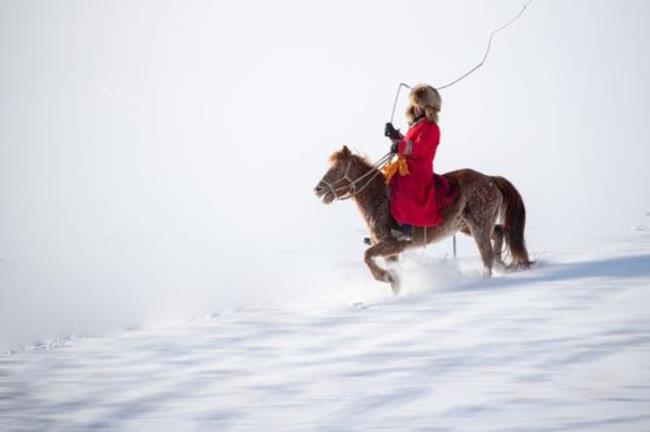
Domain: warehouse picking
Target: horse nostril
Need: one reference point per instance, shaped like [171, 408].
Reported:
[318, 189]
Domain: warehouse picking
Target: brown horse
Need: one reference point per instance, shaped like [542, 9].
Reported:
[482, 200]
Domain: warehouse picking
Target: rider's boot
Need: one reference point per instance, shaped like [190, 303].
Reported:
[403, 233]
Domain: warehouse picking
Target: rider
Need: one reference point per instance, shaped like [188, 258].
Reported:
[413, 193]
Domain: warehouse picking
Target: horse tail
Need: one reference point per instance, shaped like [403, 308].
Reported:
[513, 214]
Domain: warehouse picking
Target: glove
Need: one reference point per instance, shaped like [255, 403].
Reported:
[391, 132]
[394, 148]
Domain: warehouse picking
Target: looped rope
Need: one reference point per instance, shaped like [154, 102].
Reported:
[472, 70]
[489, 45]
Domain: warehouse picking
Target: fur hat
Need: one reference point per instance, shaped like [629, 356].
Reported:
[427, 98]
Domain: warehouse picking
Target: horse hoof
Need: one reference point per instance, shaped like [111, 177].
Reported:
[395, 283]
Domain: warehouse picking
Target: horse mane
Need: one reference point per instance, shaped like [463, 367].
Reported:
[346, 154]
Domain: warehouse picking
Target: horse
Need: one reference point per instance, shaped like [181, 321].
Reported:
[482, 200]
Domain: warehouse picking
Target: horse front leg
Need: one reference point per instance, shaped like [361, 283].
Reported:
[384, 249]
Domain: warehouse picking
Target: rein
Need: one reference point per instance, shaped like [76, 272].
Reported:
[351, 186]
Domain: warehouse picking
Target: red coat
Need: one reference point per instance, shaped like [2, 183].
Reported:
[416, 198]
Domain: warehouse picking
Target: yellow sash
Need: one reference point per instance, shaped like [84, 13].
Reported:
[392, 168]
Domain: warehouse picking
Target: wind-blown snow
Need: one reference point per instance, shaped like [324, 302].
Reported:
[565, 346]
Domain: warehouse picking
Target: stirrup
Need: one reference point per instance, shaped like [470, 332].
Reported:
[400, 235]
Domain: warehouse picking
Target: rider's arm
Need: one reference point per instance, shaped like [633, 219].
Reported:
[423, 144]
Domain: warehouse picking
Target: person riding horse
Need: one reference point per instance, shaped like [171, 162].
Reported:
[417, 194]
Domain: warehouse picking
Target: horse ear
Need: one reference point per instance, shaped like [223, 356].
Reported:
[345, 151]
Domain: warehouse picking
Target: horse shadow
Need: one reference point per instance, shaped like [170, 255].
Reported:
[626, 267]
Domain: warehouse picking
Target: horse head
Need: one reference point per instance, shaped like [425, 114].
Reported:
[342, 178]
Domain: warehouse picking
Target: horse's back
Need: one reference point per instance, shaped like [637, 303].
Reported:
[464, 176]
[470, 182]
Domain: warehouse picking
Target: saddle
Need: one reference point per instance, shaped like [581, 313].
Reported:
[447, 190]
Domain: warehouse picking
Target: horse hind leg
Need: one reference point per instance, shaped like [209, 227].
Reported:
[497, 239]
[482, 239]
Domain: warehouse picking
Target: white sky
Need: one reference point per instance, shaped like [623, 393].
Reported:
[157, 158]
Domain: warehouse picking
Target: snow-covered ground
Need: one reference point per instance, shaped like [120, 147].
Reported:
[562, 347]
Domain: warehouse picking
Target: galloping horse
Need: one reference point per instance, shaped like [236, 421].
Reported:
[482, 200]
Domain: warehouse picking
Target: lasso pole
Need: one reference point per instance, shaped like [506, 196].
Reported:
[399, 89]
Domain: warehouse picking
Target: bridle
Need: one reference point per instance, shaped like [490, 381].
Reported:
[352, 184]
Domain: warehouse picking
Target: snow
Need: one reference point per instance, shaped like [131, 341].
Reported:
[564, 346]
